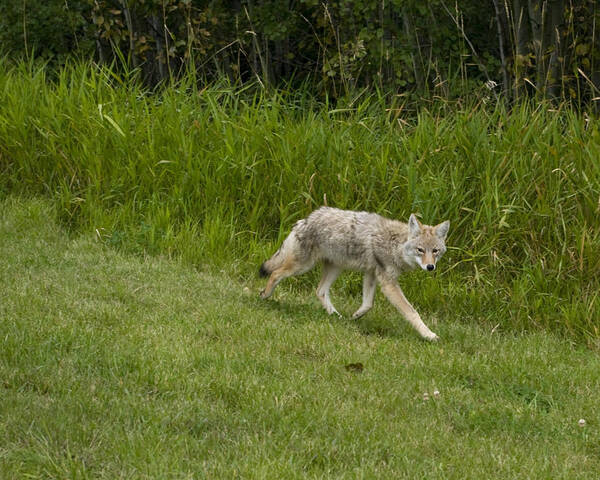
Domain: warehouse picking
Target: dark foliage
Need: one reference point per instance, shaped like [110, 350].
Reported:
[524, 47]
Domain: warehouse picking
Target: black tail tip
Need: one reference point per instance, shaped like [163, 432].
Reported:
[263, 272]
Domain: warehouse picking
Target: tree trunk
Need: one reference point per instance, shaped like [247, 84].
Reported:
[535, 10]
[160, 48]
[130, 29]
[555, 25]
[547, 24]
[595, 68]
[415, 51]
[501, 36]
[99, 49]
[521, 38]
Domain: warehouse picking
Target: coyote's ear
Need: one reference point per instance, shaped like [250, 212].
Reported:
[441, 230]
[414, 226]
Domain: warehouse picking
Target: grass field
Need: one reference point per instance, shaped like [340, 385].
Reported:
[123, 366]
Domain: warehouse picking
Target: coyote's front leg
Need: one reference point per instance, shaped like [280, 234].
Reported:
[369, 287]
[394, 294]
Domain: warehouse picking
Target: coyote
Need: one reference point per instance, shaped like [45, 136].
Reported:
[380, 247]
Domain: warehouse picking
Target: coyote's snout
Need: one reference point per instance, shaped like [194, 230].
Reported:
[380, 247]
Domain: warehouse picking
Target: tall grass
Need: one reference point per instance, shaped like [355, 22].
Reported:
[217, 176]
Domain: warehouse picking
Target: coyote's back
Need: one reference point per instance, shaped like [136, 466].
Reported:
[328, 234]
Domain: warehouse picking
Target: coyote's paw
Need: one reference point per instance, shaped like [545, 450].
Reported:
[263, 295]
[359, 313]
[431, 337]
[332, 311]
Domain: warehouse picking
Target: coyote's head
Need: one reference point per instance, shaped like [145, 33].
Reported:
[425, 244]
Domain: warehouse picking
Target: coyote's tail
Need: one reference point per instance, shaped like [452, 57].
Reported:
[264, 271]
[271, 264]
[279, 257]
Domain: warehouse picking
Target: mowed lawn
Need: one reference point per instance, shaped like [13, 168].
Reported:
[116, 366]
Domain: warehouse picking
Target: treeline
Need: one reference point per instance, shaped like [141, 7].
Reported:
[549, 48]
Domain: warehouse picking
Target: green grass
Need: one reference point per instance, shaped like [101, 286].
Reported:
[118, 366]
[217, 177]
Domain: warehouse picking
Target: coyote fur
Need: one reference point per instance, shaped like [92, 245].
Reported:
[380, 247]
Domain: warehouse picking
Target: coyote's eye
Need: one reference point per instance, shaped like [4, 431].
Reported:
[435, 250]
[420, 250]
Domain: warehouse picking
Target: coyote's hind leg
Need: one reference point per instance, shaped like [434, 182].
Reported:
[289, 267]
[330, 273]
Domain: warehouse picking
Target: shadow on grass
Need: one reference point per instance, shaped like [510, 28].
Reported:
[382, 327]
[293, 311]
[372, 324]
